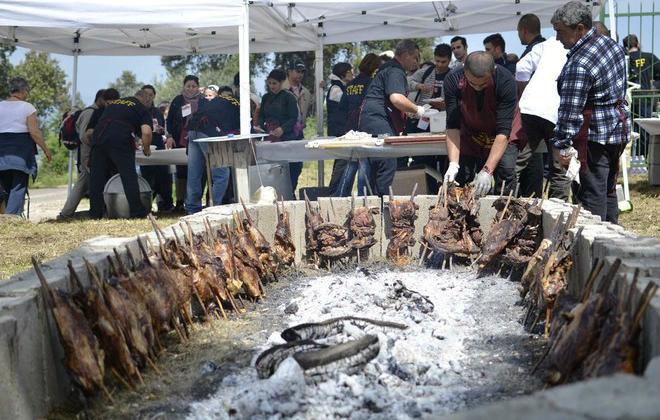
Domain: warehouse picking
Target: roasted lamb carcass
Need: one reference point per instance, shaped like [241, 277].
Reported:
[111, 338]
[575, 340]
[313, 220]
[453, 229]
[248, 276]
[332, 240]
[283, 247]
[362, 226]
[402, 218]
[84, 358]
[246, 250]
[124, 310]
[503, 231]
[617, 347]
[545, 277]
[266, 256]
[209, 271]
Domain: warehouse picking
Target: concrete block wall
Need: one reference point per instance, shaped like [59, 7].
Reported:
[33, 379]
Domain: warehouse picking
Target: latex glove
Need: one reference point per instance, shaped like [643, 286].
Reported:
[483, 182]
[452, 171]
[421, 110]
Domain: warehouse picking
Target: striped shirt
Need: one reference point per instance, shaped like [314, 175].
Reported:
[594, 77]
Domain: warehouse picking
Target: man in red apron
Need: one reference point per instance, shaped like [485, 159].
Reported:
[592, 119]
[482, 110]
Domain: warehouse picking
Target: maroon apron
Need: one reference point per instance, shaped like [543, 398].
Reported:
[479, 126]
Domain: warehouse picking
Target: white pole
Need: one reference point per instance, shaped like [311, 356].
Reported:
[244, 69]
[612, 18]
[241, 181]
[318, 77]
[74, 91]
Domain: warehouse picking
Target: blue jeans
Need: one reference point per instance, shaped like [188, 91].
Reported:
[196, 170]
[15, 185]
[345, 185]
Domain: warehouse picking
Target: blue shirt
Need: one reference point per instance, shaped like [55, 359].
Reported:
[594, 76]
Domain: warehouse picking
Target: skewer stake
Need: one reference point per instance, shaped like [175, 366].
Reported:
[506, 206]
[121, 379]
[107, 393]
[412, 196]
[153, 365]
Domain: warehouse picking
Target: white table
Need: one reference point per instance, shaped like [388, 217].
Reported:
[652, 127]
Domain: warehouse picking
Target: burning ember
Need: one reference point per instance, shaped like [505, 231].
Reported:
[382, 342]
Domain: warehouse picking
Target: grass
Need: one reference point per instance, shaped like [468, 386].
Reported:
[20, 239]
[643, 220]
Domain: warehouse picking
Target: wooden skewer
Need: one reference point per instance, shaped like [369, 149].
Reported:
[121, 379]
[139, 376]
[217, 301]
[153, 365]
[502, 190]
[412, 196]
[506, 206]
[391, 194]
[107, 393]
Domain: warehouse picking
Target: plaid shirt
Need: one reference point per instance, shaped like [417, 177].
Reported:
[594, 76]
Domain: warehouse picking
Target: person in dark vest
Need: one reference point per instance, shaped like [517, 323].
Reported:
[113, 145]
[158, 176]
[342, 74]
[593, 120]
[385, 107]
[481, 104]
[218, 117]
[351, 105]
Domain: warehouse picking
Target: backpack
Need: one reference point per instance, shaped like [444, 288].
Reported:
[69, 136]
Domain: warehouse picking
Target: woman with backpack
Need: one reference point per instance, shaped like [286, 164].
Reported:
[19, 137]
[181, 110]
[278, 116]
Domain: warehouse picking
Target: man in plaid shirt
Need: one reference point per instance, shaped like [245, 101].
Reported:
[593, 119]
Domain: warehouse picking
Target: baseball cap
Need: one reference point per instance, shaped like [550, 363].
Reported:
[298, 65]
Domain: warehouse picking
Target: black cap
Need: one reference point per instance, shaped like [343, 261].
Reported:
[298, 65]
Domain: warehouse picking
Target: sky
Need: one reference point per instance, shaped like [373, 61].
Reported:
[96, 72]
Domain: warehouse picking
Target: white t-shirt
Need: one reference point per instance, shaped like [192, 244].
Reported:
[541, 67]
[13, 116]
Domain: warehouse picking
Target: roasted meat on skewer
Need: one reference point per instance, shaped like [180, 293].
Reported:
[403, 214]
[362, 226]
[84, 358]
[124, 311]
[283, 247]
[112, 340]
[266, 256]
[313, 220]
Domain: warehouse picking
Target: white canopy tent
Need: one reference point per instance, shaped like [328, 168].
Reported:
[169, 27]
[128, 27]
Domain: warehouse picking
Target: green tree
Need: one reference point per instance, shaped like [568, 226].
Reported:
[47, 80]
[127, 84]
[5, 69]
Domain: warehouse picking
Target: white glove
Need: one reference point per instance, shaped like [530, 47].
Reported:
[573, 171]
[421, 110]
[452, 171]
[483, 182]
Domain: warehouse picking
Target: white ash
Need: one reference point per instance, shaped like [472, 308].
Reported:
[432, 368]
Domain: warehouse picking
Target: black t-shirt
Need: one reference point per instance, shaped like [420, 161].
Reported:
[94, 119]
[438, 91]
[643, 67]
[121, 119]
[390, 78]
[217, 117]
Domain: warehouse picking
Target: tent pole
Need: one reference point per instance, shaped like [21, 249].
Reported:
[74, 91]
[241, 183]
[318, 77]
